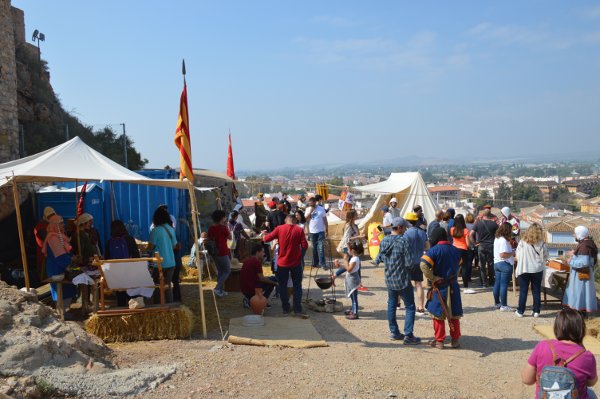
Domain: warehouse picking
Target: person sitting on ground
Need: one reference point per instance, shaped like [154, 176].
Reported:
[440, 265]
[532, 254]
[57, 250]
[566, 350]
[396, 256]
[121, 245]
[351, 266]
[252, 278]
[580, 293]
[289, 263]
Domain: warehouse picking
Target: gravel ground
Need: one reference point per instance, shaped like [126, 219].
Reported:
[360, 361]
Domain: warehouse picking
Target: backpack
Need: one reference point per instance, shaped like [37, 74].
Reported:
[557, 381]
[118, 249]
[211, 247]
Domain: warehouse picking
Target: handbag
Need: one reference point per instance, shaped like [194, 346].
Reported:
[583, 273]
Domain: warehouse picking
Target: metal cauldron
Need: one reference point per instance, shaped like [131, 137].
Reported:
[324, 282]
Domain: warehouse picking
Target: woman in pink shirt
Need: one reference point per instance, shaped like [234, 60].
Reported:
[569, 329]
[462, 241]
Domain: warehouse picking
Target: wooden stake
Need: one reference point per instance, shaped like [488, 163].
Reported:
[198, 266]
[20, 227]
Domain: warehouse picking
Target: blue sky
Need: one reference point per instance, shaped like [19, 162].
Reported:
[308, 82]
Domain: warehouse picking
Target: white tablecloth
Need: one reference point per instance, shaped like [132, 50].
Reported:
[547, 279]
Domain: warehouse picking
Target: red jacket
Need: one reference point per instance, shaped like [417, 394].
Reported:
[291, 242]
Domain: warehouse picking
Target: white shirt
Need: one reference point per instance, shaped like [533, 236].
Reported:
[387, 219]
[502, 245]
[356, 261]
[316, 224]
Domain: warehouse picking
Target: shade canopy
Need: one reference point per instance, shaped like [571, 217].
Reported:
[408, 188]
[74, 160]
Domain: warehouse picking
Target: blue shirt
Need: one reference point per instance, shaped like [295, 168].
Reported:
[416, 240]
[395, 254]
[163, 239]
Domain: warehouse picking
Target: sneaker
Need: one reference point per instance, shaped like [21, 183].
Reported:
[420, 312]
[518, 314]
[301, 315]
[497, 306]
[399, 337]
[506, 309]
[468, 291]
[352, 316]
[363, 289]
[347, 312]
[411, 340]
[246, 303]
[535, 314]
[220, 293]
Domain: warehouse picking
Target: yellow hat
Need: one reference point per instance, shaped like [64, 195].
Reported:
[48, 211]
[411, 217]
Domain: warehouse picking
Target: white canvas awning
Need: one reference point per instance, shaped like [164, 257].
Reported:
[408, 188]
[71, 161]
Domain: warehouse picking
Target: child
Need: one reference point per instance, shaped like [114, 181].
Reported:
[352, 281]
[569, 329]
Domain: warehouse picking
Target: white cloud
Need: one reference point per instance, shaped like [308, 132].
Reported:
[336, 21]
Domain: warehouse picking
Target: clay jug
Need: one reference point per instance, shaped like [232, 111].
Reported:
[258, 303]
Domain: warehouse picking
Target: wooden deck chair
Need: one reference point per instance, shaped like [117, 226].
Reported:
[125, 274]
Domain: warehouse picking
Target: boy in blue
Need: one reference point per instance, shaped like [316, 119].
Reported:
[440, 265]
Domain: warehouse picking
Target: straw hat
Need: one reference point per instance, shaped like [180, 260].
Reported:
[84, 218]
[48, 212]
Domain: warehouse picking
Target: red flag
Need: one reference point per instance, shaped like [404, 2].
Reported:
[81, 203]
[230, 168]
[182, 139]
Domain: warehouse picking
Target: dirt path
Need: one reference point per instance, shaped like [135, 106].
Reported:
[360, 361]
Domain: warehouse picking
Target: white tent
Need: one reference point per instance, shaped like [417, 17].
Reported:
[410, 190]
[72, 161]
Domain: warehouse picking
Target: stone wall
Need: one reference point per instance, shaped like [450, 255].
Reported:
[9, 125]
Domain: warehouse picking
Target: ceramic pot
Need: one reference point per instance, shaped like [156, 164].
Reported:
[258, 303]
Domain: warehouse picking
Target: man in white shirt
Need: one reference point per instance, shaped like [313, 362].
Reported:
[316, 220]
[394, 210]
[386, 225]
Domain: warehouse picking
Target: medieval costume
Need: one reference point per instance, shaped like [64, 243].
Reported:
[40, 236]
[580, 293]
[440, 265]
[57, 249]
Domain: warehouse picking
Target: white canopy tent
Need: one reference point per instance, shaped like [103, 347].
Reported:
[408, 188]
[76, 161]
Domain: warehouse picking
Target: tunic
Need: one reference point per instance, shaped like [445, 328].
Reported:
[56, 266]
[581, 294]
[440, 264]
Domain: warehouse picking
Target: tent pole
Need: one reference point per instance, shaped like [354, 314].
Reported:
[198, 266]
[20, 227]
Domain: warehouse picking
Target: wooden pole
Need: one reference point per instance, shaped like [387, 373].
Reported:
[197, 246]
[20, 227]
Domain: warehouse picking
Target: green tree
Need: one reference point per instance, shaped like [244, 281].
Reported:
[335, 181]
[484, 198]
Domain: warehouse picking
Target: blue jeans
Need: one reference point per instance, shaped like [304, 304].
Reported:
[408, 296]
[354, 299]
[283, 275]
[223, 264]
[318, 243]
[503, 272]
[535, 279]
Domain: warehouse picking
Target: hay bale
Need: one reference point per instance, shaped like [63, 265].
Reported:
[593, 327]
[143, 326]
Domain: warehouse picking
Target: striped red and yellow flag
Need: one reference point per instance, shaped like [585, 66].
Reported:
[182, 138]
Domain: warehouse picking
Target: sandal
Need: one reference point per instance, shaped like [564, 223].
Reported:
[436, 344]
